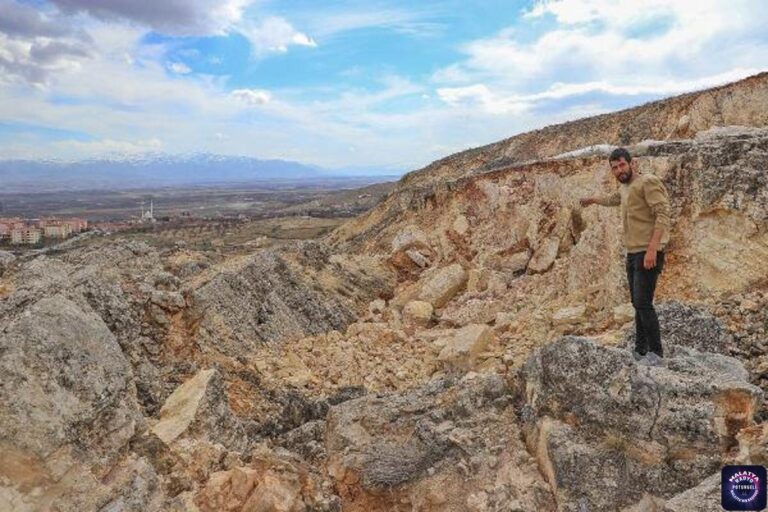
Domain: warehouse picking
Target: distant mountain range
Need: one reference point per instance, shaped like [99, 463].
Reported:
[159, 170]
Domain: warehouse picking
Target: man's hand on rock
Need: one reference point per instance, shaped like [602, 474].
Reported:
[586, 201]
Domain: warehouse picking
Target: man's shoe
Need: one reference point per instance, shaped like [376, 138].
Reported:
[637, 355]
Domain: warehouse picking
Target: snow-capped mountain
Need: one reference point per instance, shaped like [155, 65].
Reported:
[149, 170]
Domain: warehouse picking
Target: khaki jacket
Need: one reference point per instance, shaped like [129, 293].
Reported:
[644, 206]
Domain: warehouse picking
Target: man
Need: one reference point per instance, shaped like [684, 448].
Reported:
[645, 214]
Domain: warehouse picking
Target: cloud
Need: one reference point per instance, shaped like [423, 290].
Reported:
[22, 21]
[405, 21]
[174, 17]
[35, 45]
[274, 34]
[179, 68]
[608, 48]
[622, 42]
[572, 12]
[195, 18]
[33, 62]
[109, 147]
[251, 97]
[480, 95]
[54, 51]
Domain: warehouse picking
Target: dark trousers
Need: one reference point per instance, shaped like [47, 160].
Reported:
[642, 284]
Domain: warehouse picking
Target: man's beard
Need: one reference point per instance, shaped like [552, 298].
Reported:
[624, 177]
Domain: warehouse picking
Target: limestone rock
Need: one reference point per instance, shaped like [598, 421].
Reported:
[497, 283]
[199, 409]
[430, 448]
[409, 237]
[169, 301]
[293, 371]
[64, 379]
[441, 286]
[377, 307]
[272, 482]
[461, 349]
[65, 384]
[460, 225]
[477, 280]
[511, 264]
[705, 497]
[544, 256]
[669, 426]
[417, 313]
[504, 319]
[418, 258]
[569, 316]
[263, 300]
[685, 325]
[624, 313]
[470, 310]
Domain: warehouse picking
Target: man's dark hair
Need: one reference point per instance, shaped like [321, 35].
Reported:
[618, 154]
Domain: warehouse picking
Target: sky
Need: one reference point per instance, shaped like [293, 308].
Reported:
[385, 85]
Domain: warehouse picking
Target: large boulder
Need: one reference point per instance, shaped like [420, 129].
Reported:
[686, 325]
[460, 350]
[440, 447]
[593, 415]
[441, 286]
[65, 384]
[64, 378]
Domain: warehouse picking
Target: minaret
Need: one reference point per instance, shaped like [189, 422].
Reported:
[152, 209]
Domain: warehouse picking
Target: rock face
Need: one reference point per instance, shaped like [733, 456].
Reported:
[65, 384]
[704, 497]
[97, 338]
[264, 299]
[596, 416]
[85, 379]
[440, 447]
[718, 197]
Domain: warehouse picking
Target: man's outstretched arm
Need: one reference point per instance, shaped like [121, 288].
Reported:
[611, 200]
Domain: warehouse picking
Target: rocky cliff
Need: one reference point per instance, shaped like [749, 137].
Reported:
[465, 345]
